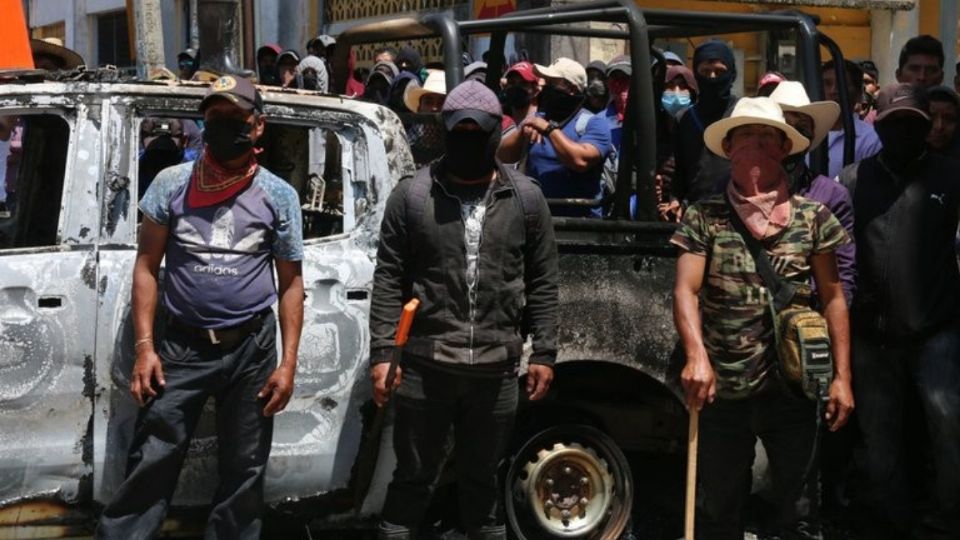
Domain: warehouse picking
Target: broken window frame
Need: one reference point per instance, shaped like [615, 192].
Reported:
[69, 116]
[350, 137]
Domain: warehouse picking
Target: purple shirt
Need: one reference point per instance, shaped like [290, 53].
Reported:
[219, 259]
[836, 198]
[866, 144]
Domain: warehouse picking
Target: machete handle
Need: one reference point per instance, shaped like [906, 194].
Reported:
[406, 321]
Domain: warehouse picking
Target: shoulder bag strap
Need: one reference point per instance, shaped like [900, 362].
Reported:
[783, 291]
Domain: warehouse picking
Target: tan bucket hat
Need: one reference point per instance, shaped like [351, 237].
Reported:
[792, 96]
[436, 83]
[757, 110]
[54, 47]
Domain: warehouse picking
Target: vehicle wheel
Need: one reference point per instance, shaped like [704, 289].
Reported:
[569, 481]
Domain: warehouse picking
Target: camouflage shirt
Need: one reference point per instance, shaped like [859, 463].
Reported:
[737, 327]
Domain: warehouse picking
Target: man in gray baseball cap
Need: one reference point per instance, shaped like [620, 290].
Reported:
[458, 373]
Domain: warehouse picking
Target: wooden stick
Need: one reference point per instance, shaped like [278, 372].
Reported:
[692, 440]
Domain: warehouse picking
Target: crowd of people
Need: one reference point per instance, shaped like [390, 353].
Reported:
[871, 245]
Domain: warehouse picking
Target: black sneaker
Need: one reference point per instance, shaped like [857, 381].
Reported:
[4, 213]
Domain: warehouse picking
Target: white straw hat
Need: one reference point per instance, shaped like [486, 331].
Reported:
[792, 96]
[748, 111]
[436, 83]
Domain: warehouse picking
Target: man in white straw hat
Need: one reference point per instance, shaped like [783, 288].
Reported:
[813, 121]
[428, 98]
[722, 313]
[426, 137]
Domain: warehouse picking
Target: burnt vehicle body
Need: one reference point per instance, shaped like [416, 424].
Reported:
[607, 445]
[66, 337]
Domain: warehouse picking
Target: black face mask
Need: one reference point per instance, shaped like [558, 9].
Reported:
[558, 106]
[269, 77]
[794, 162]
[714, 94]
[904, 139]
[515, 97]
[597, 96]
[227, 139]
[471, 154]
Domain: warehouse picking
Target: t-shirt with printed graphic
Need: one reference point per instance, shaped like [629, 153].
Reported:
[219, 258]
[735, 312]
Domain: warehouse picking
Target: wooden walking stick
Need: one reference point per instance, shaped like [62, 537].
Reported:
[690, 507]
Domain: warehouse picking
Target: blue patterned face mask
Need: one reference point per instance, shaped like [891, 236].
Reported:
[674, 102]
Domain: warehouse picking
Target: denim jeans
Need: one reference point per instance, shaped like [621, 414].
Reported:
[431, 406]
[786, 423]
[164, 427]
[889, 378]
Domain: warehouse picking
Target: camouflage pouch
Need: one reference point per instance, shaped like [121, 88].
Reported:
[803, 349]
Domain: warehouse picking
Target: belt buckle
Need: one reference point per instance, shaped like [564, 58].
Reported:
[213, 336]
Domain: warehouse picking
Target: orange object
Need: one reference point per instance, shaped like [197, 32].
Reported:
[406, 320]
[16, 52]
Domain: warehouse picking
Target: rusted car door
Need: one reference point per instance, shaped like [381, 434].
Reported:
[48, 299]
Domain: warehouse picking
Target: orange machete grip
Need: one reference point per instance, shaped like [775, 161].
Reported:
[406, 320]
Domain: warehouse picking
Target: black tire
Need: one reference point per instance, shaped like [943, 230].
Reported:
[590, 486]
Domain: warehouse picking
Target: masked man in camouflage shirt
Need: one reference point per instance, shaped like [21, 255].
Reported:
[722, 313]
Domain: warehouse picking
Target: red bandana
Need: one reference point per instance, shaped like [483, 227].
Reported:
[211, 184]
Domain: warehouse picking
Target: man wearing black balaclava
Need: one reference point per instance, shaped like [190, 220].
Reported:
[473, 241]
[906, 321]
[698, 171]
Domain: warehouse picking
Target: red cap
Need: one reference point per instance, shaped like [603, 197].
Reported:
[524, 70]
[771, 77]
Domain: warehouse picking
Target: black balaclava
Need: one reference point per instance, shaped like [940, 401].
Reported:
[471, 154]
[714, 94]
[904, 140]
[409, 60]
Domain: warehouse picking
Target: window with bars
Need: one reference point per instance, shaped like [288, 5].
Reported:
[113, 39]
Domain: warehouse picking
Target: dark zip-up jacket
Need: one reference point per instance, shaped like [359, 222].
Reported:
[427, 260]
[908, 284]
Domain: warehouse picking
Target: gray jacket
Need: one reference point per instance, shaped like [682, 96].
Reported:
[425, 256]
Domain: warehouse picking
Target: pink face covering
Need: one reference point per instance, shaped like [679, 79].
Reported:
[619, 90]
[758, 189]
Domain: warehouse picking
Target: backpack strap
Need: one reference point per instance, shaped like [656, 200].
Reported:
[582, 120]
[417, 195]
[528, 196]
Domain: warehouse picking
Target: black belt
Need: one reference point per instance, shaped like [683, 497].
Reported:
[221, 337]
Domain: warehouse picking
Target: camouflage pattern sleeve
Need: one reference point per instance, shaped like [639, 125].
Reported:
[692, 234]
[828, 233]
